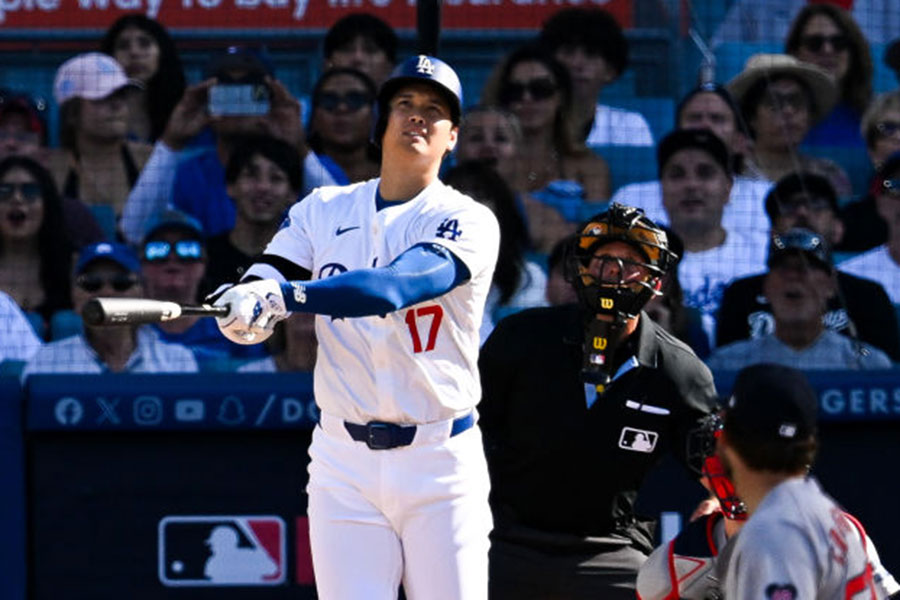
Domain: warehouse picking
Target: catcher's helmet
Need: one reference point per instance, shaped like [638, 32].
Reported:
[625, 224]
[420, 69]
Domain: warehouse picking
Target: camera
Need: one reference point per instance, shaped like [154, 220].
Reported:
[239, 99]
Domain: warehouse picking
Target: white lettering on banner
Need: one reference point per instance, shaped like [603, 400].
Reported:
[11, 6]
[300, 9]
[861, 401]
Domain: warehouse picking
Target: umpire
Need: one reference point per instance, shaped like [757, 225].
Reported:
[579, 403]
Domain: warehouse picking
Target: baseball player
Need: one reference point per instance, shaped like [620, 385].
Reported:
[797, 542]
[690, 566]
[400, 268]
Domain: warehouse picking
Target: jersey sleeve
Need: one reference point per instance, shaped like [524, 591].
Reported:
[469, 230]
[780, 567]
[294, 241]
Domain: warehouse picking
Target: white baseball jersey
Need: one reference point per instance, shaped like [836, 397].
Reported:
[799, 544]
[415, 365]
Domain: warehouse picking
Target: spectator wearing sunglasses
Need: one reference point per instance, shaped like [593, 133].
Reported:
[263, 176]
[882, 263]
[558, 168]
[591, 45]
[780, 99]
[343, 109]
[109, 270]
[860, 307]
[881, 129]
[799, 283]
[827, 36]
[36, 233]
[173, 260]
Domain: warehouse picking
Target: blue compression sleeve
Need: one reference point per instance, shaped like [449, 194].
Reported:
[423, 272]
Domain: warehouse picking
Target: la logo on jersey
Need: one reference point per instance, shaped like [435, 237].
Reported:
[449, 229]
[425, 66]
[221, 550]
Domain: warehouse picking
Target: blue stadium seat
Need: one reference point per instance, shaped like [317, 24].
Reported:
[37, 323]
[65, 323]
[106, 219]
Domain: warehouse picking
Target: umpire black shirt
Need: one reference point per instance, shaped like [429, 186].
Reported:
[560, 467]
[745, 312]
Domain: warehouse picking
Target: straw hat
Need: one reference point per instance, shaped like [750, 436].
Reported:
[759, 66]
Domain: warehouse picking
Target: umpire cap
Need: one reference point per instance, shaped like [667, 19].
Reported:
[420, 69]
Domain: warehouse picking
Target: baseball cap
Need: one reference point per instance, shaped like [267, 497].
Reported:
[91, 76]
[239, 58]
[111, 251]
[173, 219]
[772, 403]
[804, 241]
[702, 139]
[32, 109]
[796, 183]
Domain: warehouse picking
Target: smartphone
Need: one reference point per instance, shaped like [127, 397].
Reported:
[239, 99]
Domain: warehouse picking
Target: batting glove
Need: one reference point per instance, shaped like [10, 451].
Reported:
[254, 309]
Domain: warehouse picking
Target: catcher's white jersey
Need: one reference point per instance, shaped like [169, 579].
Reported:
[799, 544]
[415, 365]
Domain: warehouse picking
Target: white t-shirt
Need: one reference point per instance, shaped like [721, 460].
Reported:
[704, 275]
[745, 212]
[797, 545]
[74, 355]
[876, 264]
[18, 341]
[618, 127]
[415, 365]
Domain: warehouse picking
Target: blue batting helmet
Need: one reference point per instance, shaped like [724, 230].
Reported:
[420, 69]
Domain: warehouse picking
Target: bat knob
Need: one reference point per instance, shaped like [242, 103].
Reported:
[93, 313]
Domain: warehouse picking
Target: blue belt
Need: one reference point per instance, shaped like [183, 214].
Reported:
[383, 436]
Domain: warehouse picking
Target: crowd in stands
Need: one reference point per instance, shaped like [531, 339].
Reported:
[150, 193]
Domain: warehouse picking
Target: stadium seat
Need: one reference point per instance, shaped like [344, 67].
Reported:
[37, 323]
[106, 219]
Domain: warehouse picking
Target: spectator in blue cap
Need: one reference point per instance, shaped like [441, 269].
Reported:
[174, 259]
[109, 270]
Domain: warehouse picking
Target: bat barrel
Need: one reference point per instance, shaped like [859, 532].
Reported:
[135, 311]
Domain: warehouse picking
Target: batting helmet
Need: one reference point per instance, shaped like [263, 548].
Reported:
[624, 224]
[420, 69]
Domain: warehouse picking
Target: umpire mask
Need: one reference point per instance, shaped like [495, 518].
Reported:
[616, 264]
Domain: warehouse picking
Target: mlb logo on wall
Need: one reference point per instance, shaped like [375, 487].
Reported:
[221, 550]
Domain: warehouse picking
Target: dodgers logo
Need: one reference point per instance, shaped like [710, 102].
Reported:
[425, 66]
[449, 229]
[638, 440]
[222, 550]
[331, 269]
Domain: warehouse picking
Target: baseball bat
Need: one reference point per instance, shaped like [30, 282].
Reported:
[428, 25]
[131, 311]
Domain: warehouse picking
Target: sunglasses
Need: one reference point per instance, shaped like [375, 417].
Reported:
[797, 240]
[90, 282]
[538, 89]
[185, 251]
[31, 192]
[354, 101]
[779, 102]
[815, 42]
[887, 128]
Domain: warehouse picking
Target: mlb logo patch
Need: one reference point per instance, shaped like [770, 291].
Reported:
[221, 550]
[638, 440]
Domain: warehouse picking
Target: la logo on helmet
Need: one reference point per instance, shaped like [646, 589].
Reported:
[425, 65]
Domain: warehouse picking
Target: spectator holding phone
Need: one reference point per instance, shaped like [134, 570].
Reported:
[147, 53]
[96, 163]
[343, 112]
[240, 97]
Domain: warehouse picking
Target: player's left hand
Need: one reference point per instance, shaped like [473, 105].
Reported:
[254, 309]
